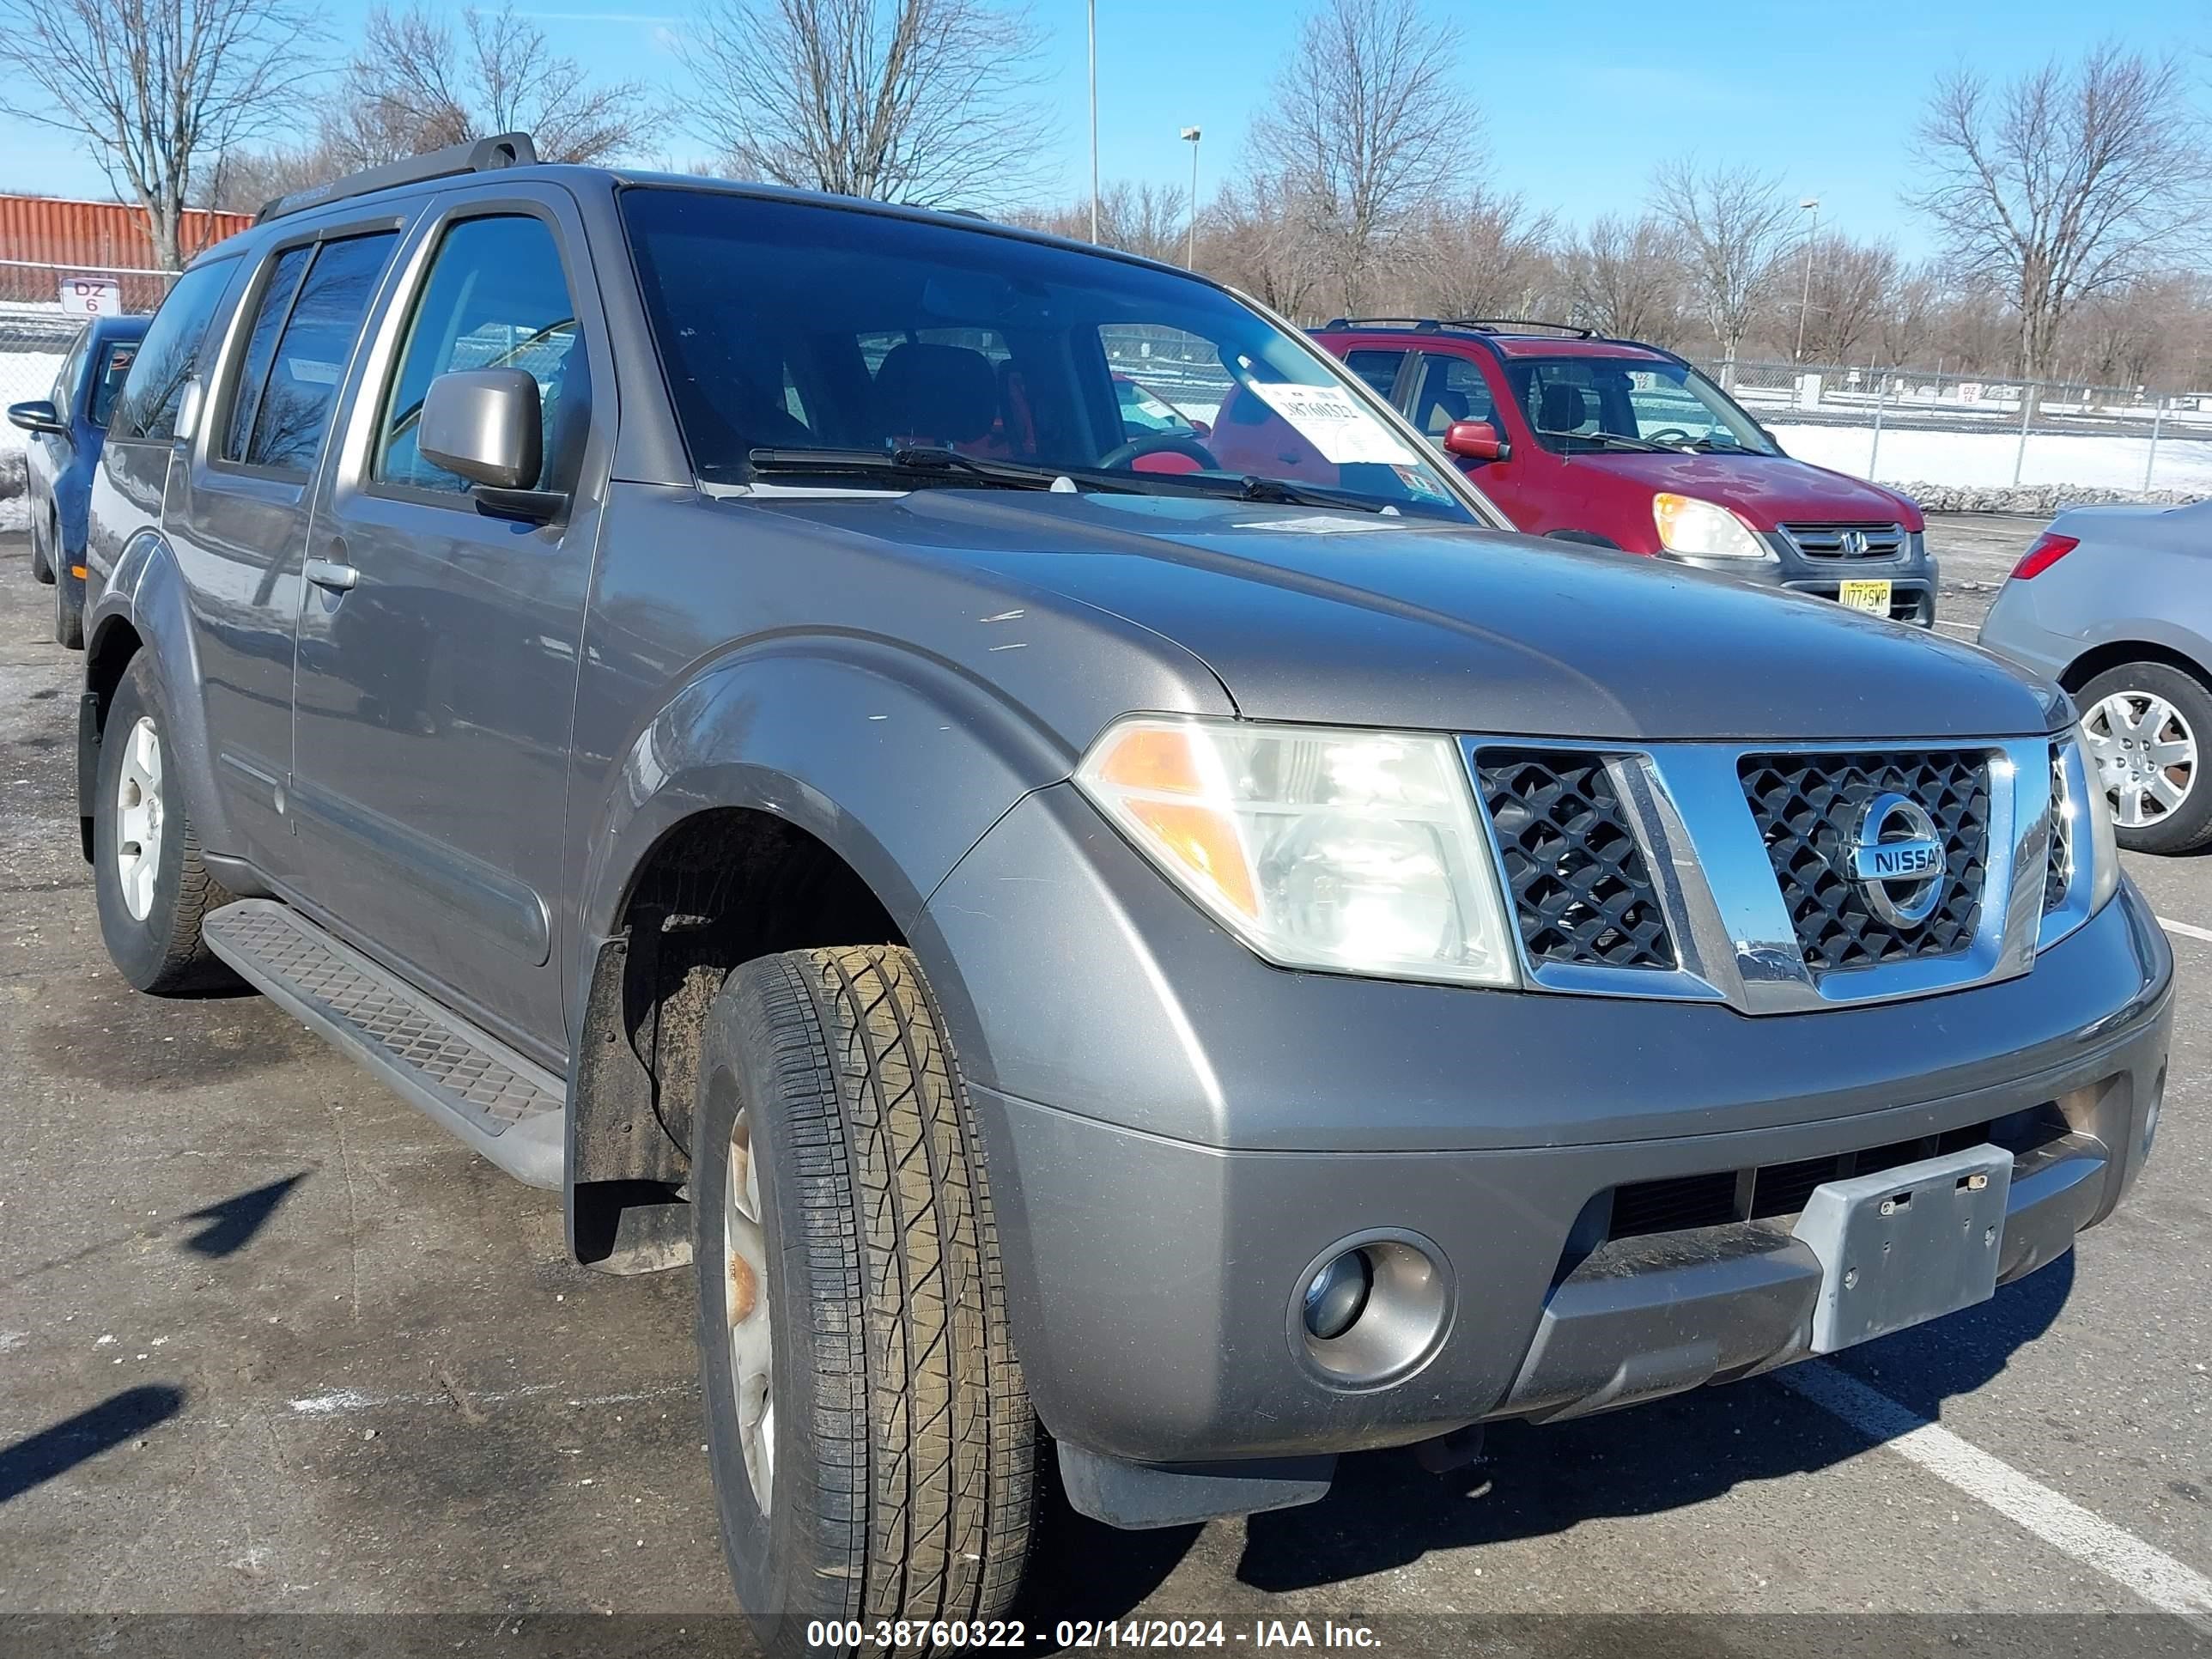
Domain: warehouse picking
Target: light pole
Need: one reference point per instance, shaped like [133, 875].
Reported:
[1190, 254]
[1094, 120]
[1805, 305]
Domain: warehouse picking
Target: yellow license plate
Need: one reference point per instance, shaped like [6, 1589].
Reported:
[1872, 597]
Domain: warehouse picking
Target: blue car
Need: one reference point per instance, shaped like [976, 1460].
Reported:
[67, 427]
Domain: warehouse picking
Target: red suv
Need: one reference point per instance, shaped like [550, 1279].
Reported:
[1627, 445]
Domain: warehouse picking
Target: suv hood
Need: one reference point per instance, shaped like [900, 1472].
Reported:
[1347, 617]
[1767, 490]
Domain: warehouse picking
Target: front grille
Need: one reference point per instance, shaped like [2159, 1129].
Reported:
[2057, 873]
[1808, 807]
[1773, 1191]
[1847, 541]
[1582, 891]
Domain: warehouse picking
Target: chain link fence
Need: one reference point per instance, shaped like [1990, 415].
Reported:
[42, 308]
[1948, 431]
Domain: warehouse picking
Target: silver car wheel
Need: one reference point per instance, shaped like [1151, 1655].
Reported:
[2146, 756]
[138, 818]
[752, 1349]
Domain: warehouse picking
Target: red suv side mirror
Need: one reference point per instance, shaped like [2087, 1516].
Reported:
[1475, 440]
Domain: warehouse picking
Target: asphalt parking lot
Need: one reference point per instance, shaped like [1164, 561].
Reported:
[269, 1341]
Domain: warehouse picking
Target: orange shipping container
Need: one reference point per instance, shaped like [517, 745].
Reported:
[49, 231]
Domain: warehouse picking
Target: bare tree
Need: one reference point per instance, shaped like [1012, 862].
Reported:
[2064, 184]
[156, 87]
[911, 101]
[1364, 125]
[1144, 219]
[1905, 332]
[1625, 277]
[1850, 283]
[1735, 224]
[414, 86]
[1480, 255]
[1256, 237]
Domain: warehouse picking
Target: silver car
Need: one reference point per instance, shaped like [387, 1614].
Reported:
[2115, 603]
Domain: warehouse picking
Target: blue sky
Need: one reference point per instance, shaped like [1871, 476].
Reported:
[1580, 102]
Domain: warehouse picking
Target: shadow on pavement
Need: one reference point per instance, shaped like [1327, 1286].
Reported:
[1536, 1481]
[38, 1458]
[233, 1222]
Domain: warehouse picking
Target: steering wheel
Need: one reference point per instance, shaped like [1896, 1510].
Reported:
[1161, 443]
[1670, 434]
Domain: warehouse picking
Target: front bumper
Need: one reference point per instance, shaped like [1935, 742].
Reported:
[1911, 574]
[1177, 1133]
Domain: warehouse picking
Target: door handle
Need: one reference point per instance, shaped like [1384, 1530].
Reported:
[325, 574]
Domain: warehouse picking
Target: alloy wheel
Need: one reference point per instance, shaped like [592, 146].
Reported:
[752, 1349]
[2146, 756]
[138, 818]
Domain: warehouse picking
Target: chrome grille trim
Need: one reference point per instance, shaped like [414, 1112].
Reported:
[1835, 541]
[1732, 929]
[2069, 777]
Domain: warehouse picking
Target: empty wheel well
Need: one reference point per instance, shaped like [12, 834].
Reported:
[107, 659]
[2090, 663]
[720, 889]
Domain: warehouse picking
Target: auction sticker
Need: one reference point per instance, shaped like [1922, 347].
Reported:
[1327, 417]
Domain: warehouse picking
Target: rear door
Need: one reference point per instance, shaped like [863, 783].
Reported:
[237, 513]
[436, 660]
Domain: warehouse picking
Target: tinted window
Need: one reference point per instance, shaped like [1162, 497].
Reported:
[278, 288]
[1378, 368]
[169, 357]
[495, 299]
[1575, 404]
[313, 351]
[1451, 389]
[890, 333]
[115, 360]
[63, 395]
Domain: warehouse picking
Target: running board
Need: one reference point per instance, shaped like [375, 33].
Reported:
[505, 1107]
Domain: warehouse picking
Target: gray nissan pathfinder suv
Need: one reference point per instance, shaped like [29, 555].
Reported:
[1127, 973]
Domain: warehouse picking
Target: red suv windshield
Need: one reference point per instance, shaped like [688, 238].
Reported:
[1575, 404]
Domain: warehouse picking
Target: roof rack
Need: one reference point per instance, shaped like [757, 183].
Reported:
[506, 150]
[1418, 324]
[1493, 325]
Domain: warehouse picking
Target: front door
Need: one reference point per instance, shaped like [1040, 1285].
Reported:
[436, 658]
[1446, 389]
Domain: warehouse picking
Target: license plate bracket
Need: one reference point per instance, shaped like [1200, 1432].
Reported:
[1865, 594]
[1902, 1246]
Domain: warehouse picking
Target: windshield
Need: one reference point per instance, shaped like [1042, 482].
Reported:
[792, 329]
[1578, 404]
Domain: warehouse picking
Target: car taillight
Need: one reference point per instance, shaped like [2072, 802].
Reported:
[2047, 551]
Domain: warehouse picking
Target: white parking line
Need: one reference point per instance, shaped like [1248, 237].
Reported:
[2185, 930]
[2058, 1521]
[1964, 627]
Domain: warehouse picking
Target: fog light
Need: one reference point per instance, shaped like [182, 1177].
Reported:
[1337, 1294]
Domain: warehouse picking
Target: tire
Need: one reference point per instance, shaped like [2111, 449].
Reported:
[2163, 805]
[69, 611]
[150, 904]
[42, 567]
[902, 1458]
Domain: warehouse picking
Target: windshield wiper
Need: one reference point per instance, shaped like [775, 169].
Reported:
[913, 462]
[1277, 492]
[1615, 441]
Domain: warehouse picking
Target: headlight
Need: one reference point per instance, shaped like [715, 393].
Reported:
[1704, 530]
[2096, 812]
[1319, 847]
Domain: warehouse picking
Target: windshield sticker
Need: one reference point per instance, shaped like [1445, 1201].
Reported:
[1327, 417]
[1365, 524]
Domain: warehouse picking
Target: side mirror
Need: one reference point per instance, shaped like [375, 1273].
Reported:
[484, 424]
[1475, 440]
[38, 416]
[1201, 429]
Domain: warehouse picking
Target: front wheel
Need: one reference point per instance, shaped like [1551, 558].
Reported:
[69, 609]
[42, 566]
[874, 1453]
[2146, 725]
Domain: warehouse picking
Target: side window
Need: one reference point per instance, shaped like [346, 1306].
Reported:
[278, 289]
[115, 359]
[1378, 368]
[169, 357]
[495, 298]
[1452, 389]
[304, 372]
